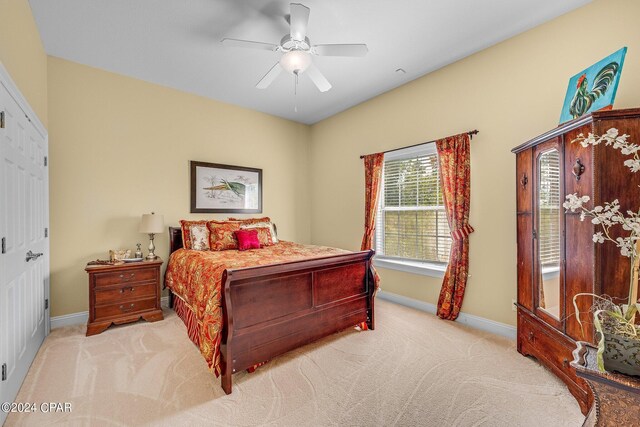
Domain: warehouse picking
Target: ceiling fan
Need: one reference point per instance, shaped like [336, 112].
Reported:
[297, 51]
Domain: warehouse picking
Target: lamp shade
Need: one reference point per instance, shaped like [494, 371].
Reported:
[151, 224]
[295, 61]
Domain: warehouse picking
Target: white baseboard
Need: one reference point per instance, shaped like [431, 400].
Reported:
[82, 317]
[70, 320]
[476, 322]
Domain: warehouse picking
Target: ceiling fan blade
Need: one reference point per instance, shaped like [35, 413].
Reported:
[341, 49]
[271, 75]
[298, 21]
[317, 78]
[248, 44]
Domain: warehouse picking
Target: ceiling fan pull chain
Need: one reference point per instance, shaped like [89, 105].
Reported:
[295, 93]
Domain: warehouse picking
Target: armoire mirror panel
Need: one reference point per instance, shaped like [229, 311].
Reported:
[549, 218]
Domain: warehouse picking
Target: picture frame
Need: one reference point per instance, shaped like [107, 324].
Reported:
[593, 88]
[217, 188]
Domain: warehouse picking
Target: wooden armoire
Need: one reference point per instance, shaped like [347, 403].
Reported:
[557, 257]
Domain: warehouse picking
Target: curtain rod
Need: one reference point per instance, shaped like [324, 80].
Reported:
[471, 133]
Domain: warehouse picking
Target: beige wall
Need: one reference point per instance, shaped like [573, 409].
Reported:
[511, 93]
[120, 147]
[22, 54]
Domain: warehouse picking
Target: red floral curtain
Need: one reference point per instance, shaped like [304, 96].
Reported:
[372, 176]
[455, 175]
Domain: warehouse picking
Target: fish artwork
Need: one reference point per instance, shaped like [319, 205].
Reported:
[236, 188]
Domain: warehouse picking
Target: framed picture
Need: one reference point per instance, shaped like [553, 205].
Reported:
[593, 89]
[225, 189]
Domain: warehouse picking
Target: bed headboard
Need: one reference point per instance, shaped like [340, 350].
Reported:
[175, 238]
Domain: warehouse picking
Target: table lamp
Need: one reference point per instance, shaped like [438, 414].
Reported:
[151, 224]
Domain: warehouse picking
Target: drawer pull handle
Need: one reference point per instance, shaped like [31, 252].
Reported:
[531, 335]
[565, 362]
[125, 309]
[131, 289]
[129, 277]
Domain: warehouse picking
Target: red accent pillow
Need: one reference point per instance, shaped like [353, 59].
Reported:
[247, 239]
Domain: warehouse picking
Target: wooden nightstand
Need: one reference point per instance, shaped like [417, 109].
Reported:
[123, 293]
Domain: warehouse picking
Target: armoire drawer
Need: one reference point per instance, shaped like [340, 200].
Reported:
[552, 349]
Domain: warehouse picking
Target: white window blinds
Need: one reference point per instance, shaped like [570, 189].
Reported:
[549, 209]
[411, 222]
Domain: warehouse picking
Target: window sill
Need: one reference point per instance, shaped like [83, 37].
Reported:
[408, 266]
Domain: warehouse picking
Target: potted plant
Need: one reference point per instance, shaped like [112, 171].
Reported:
[619, 335]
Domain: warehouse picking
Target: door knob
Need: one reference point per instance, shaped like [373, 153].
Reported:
[31, 255]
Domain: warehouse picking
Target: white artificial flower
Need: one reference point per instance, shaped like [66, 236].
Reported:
[634, 165]
[598, 237]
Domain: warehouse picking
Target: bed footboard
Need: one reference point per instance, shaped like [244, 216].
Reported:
[272, 309]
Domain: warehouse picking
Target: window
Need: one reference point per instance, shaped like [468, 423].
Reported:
[412, 225]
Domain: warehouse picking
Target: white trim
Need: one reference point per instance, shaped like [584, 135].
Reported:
[408, 266]
[471, 320]
[82, 317]
[14, 91]
[70, 320]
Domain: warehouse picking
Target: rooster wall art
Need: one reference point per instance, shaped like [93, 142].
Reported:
[594, 88]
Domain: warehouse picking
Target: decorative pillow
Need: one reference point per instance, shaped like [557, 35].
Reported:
[258, 222]
[186, 231]
[247, 239]
[199, 237]
[264, 235]
[221, 237]
[248, 221]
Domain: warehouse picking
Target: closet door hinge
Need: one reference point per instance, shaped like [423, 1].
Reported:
[46, 232]
[45, 160]
[4, 372]
[4, 245]
[1, 119]
[535, 234]
[46, 304]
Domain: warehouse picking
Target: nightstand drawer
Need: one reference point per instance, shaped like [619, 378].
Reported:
[134, 291]
[127, 276]
[124, 308]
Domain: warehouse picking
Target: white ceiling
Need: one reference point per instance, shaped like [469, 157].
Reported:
[175, 43]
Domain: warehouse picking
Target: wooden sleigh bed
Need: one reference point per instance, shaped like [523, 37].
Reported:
[271, 309]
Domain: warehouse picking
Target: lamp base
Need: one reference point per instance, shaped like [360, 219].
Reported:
[152, 248]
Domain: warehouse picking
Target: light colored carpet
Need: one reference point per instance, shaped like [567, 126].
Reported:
[413, 370]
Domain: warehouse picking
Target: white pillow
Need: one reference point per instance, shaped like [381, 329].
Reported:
[199, 237]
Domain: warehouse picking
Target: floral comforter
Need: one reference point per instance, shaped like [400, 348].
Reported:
[195, 279]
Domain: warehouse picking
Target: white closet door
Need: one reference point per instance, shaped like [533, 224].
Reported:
[23, 219]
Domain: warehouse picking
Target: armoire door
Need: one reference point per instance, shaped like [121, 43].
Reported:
[24, 253]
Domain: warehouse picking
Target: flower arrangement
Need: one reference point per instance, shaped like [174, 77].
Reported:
[613, 321]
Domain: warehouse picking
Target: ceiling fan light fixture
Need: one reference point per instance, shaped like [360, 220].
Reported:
[296, 61]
